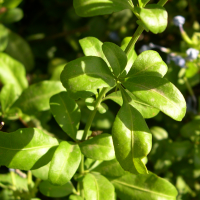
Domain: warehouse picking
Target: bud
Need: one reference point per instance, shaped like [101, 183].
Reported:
[192, 54]
[179, 20]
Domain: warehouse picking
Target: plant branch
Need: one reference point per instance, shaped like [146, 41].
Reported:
[91, 117]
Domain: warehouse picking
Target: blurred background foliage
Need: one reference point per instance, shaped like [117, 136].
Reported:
[44, 35]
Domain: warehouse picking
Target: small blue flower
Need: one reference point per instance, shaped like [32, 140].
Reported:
[192, 54]
[178, 60]
[179, 20]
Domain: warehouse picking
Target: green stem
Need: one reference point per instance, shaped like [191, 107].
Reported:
[186, 38]
[139, 31]
[91, 117]
[190, 89]
[12, 173]
[29, 180]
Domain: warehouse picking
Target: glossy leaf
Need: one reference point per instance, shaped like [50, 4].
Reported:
[27, 148]
[99, 147]
[66, 112]
[131, 137]
[154, 17]
[159, 93]
[7, 97]
[49, 190]
[42, 172]
[151, 187]
[64, 163]
[11, 15]
[92, 47]
[85, 74]
[111, 169]
[115, 56]
[131, 55]
[148, 63]
[11, 3]
[25, 55]
[36, 97]
[88, 8]
[3, 37]
[12, 72]
[97, 187]
[145, 109]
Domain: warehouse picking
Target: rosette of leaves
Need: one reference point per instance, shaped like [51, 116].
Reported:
[106, 66]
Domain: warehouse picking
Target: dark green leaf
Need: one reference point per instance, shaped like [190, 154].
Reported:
[12, 72]
[111, 169]
[7, 97]
[3, 37]
[66, 112]
[148, 63]
[145, 109]
[151, 187]
[115, 56]
[25, 55]
[97, 187]
[36, 97]
[27, 148]
[88, 8]
[85, 74]
[131, 137]
[99, 147]
[159, 93]
[11, 3]
[64, 163]
[154, 17]
[131, 55]
[11, 15]
[49, 190]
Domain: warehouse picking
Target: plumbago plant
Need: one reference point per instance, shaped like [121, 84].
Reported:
[93, 165]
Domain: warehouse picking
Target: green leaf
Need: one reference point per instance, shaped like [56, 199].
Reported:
[145, 109]
[27, 148]
[154, 17]
[64, 163]
[99, 147]
[92, 47]
[111, 169]
[142, 3]
[75, 197]
[97, 187]
[36, 97]
[148, 63]
[49, 190]
[25, 55]
[131, 137]
[159, 133]
[131, 55]
[11, 3]
[66, 112]
[3, 37]
[12, 72]
[115, 56]
[159, 93]
[88, 8]
[11, 15]
[151, 187]
[42, 172]
[85, 74]
[8, 96]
